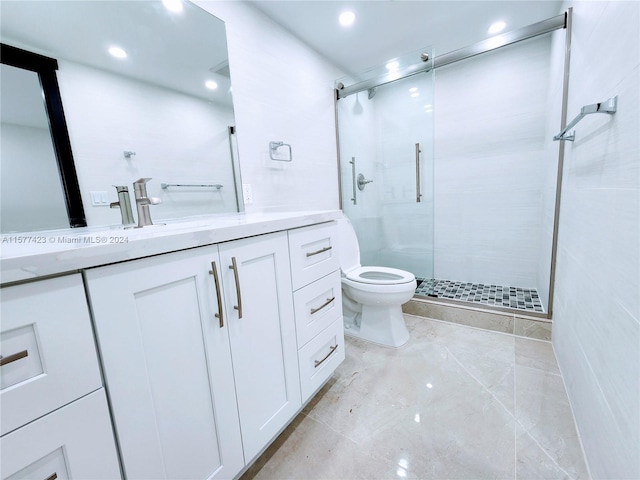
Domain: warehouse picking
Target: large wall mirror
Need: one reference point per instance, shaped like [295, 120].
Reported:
[146, 92]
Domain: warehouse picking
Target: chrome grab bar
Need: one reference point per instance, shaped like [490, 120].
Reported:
[609, 106]
[353, 177]
[418, 194]
[216, 281]
[234, 267]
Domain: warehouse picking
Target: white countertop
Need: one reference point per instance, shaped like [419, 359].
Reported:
[30, 255]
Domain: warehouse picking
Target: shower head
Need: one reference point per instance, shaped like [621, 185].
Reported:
[372, 92]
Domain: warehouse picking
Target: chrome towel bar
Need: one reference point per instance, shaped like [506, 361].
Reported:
[217, 186]
[609, 106]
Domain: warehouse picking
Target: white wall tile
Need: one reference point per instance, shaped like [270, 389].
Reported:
[597, 312]
[283, 91]
[491, 158]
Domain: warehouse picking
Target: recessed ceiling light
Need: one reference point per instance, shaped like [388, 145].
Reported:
[211, 85]
[117, 52]
[497, 27]
[174, 6]
[413, 89]
[347, 18]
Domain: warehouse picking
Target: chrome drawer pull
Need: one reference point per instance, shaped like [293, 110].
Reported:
[234, 267]
[320, 362]
[329, 300]
[52, 477]
[214, 272]
[12, 358]
[322, 250]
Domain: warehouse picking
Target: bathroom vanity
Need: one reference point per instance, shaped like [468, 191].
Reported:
[211, 334]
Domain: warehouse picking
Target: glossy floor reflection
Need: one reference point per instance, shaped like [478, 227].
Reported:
[454, 403]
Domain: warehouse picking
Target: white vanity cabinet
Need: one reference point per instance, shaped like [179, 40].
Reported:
[190, 362]
[315, 271]
[55, 419]
[167, 365]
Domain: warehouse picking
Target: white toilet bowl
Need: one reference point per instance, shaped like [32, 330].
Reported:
[372, 296]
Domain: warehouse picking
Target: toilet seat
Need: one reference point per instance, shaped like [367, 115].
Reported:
[380, 276]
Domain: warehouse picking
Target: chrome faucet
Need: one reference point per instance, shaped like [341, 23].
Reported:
[143, 201]
[124, 203]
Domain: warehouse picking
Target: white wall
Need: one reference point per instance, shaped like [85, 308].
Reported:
[490, 157]
[177, 139]
[596, 331]
[283, 91]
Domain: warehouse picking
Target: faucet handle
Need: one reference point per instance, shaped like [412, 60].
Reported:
[140, 187]
[154, 200]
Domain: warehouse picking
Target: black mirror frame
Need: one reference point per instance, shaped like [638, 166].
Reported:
[46, 68]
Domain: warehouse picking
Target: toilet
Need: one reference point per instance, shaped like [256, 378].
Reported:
[372, 296]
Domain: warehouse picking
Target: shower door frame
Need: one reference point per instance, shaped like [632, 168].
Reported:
[562, 21]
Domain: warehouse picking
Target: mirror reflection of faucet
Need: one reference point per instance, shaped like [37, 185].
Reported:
[143, 201]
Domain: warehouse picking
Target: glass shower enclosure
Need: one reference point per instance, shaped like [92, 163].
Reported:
[386, 162]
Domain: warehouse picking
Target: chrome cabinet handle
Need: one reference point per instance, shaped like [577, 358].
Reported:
[12, 358]
[53, 476]
[316, 310]
[320, 362]
[234, 267]
[418, 193]
[317, 252]
[214, 272]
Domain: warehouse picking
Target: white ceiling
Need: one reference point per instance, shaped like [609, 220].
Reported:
[385, 29]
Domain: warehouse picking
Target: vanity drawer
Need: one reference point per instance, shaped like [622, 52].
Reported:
[316, 306]
[47, 348]
[313, 252]
[319, 358]
[75, 441]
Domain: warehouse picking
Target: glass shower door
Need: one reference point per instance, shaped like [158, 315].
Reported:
[386, 164]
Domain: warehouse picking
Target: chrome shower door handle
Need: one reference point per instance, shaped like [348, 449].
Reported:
[418, 194]
[234, 267]
[353, 178]
[216, 281]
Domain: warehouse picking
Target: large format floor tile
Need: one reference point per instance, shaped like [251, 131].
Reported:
[453, 403]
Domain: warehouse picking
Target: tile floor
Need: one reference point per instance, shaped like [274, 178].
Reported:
[454, 403]
[518, 298]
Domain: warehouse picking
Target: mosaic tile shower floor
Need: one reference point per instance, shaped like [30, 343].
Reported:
[526, 299]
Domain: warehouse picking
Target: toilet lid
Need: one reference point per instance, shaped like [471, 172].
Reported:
[380, 275]
[349, 250]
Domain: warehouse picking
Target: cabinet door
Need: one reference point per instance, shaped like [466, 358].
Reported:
[263, 341]
[167, 366]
